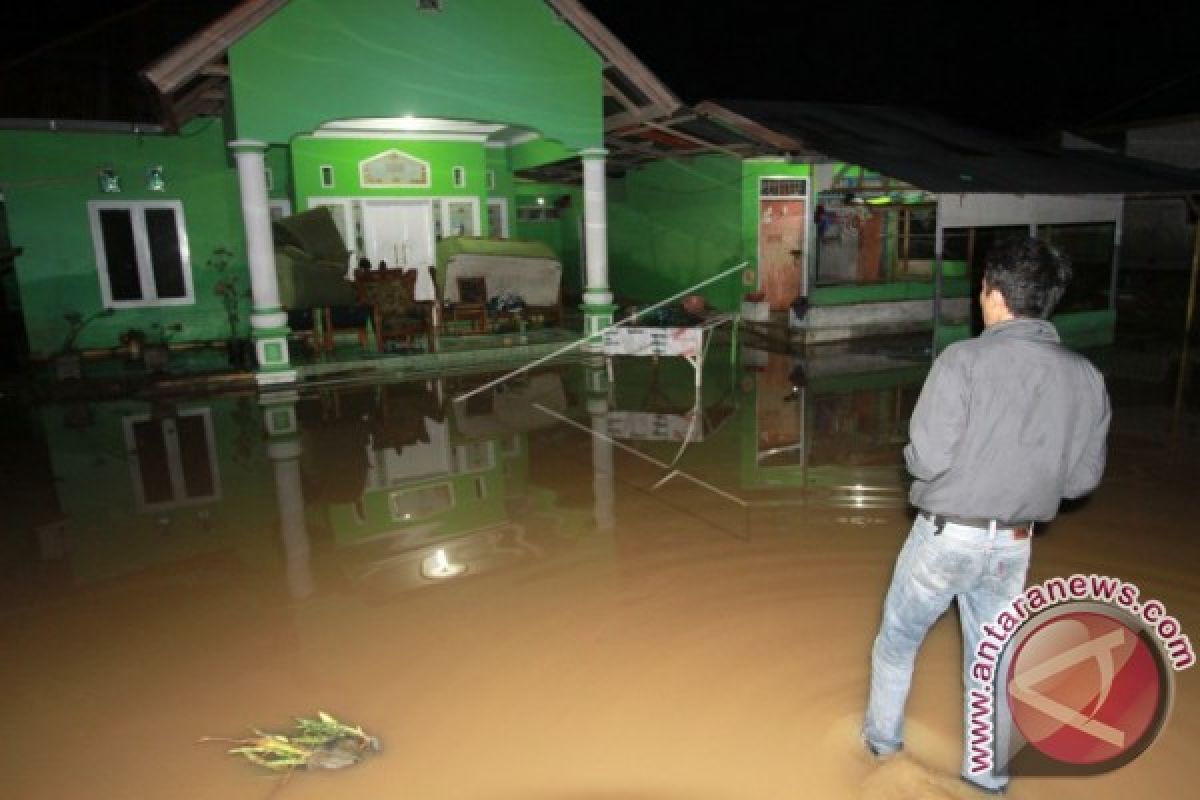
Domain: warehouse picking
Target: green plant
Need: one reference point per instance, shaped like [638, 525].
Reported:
[228, 287]
[321, 743]
[76, 322]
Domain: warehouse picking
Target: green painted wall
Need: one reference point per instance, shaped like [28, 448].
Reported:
[671, 224]
[1082, 329]
[536, 152]
[513, 62]
[48, 178]
[562, 235]
[887, 292]
[309, 154]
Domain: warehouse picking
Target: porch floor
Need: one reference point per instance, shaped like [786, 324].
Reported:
[454, 352]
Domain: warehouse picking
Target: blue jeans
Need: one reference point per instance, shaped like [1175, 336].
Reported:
[984, 571]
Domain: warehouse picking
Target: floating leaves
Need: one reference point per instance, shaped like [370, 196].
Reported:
[321, 743]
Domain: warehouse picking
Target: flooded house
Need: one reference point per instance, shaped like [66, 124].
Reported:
[323, 186]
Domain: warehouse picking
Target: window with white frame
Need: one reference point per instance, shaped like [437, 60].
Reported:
[141, 253]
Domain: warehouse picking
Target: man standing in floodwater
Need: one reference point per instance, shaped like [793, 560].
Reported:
[1007, 425]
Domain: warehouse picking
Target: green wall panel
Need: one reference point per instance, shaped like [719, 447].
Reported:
[1081, 329]
[887, 292]
[673, 224]
[514, 62]
[49, 178]
[309, 154]
[562, 235]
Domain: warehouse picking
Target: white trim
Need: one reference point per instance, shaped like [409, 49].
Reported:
[490, 179]
[269, 176]
[272, 319]
[141, 243]
[332, 173]
[410, 124]
[283, 204]
[763, 178]
[458, 177]
[174, 461]
[520, 138]
[978, 210]
[502, 204]
[398, 136]
[444, 208]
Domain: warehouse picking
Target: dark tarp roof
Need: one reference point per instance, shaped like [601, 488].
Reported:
[940, 155]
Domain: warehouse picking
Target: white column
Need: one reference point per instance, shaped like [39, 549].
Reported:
[268, 320]
[595, 227]
[597, 297]
[603, 495]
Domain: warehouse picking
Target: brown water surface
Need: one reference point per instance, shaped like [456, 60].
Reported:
[519, 594]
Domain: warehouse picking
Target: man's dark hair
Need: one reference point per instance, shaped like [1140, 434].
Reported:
[1030, 274]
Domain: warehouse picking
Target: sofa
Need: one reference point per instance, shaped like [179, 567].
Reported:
[312, 262]
[509, 274]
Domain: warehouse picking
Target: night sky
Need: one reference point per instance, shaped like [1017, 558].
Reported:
[1007, 66]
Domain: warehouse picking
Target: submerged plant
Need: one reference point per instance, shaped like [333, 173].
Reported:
[321, 743]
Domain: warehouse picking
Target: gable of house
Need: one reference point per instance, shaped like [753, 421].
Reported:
[313, 61]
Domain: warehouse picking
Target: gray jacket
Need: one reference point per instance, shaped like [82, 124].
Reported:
[1007, 425]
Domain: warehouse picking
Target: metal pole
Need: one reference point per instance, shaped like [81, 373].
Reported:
[1184, 356]
[1116, 260]
[937, 273]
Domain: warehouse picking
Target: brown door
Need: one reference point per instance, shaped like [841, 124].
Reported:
[781, 226]
[870, 247]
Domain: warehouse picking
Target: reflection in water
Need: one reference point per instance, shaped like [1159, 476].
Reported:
[516, 574]
[834, 431]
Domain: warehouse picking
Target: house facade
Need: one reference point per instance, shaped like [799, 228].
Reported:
[414, 121]
[409, 124]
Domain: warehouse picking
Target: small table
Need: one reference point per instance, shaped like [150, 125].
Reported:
[691, 342]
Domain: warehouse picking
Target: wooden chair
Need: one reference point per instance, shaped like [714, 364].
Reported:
[395, 311]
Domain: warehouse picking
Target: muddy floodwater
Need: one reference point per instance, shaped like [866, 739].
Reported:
[563, 588]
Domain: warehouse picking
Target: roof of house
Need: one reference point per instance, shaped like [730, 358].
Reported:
[643, 119]
[937, 154]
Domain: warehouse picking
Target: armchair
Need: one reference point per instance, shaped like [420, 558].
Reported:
[395, 311]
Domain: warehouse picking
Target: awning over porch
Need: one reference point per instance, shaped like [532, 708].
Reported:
[941, 155]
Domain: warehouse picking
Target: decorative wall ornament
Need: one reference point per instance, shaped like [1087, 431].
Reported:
[109, 181]
[155, 180]
[393, 168]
